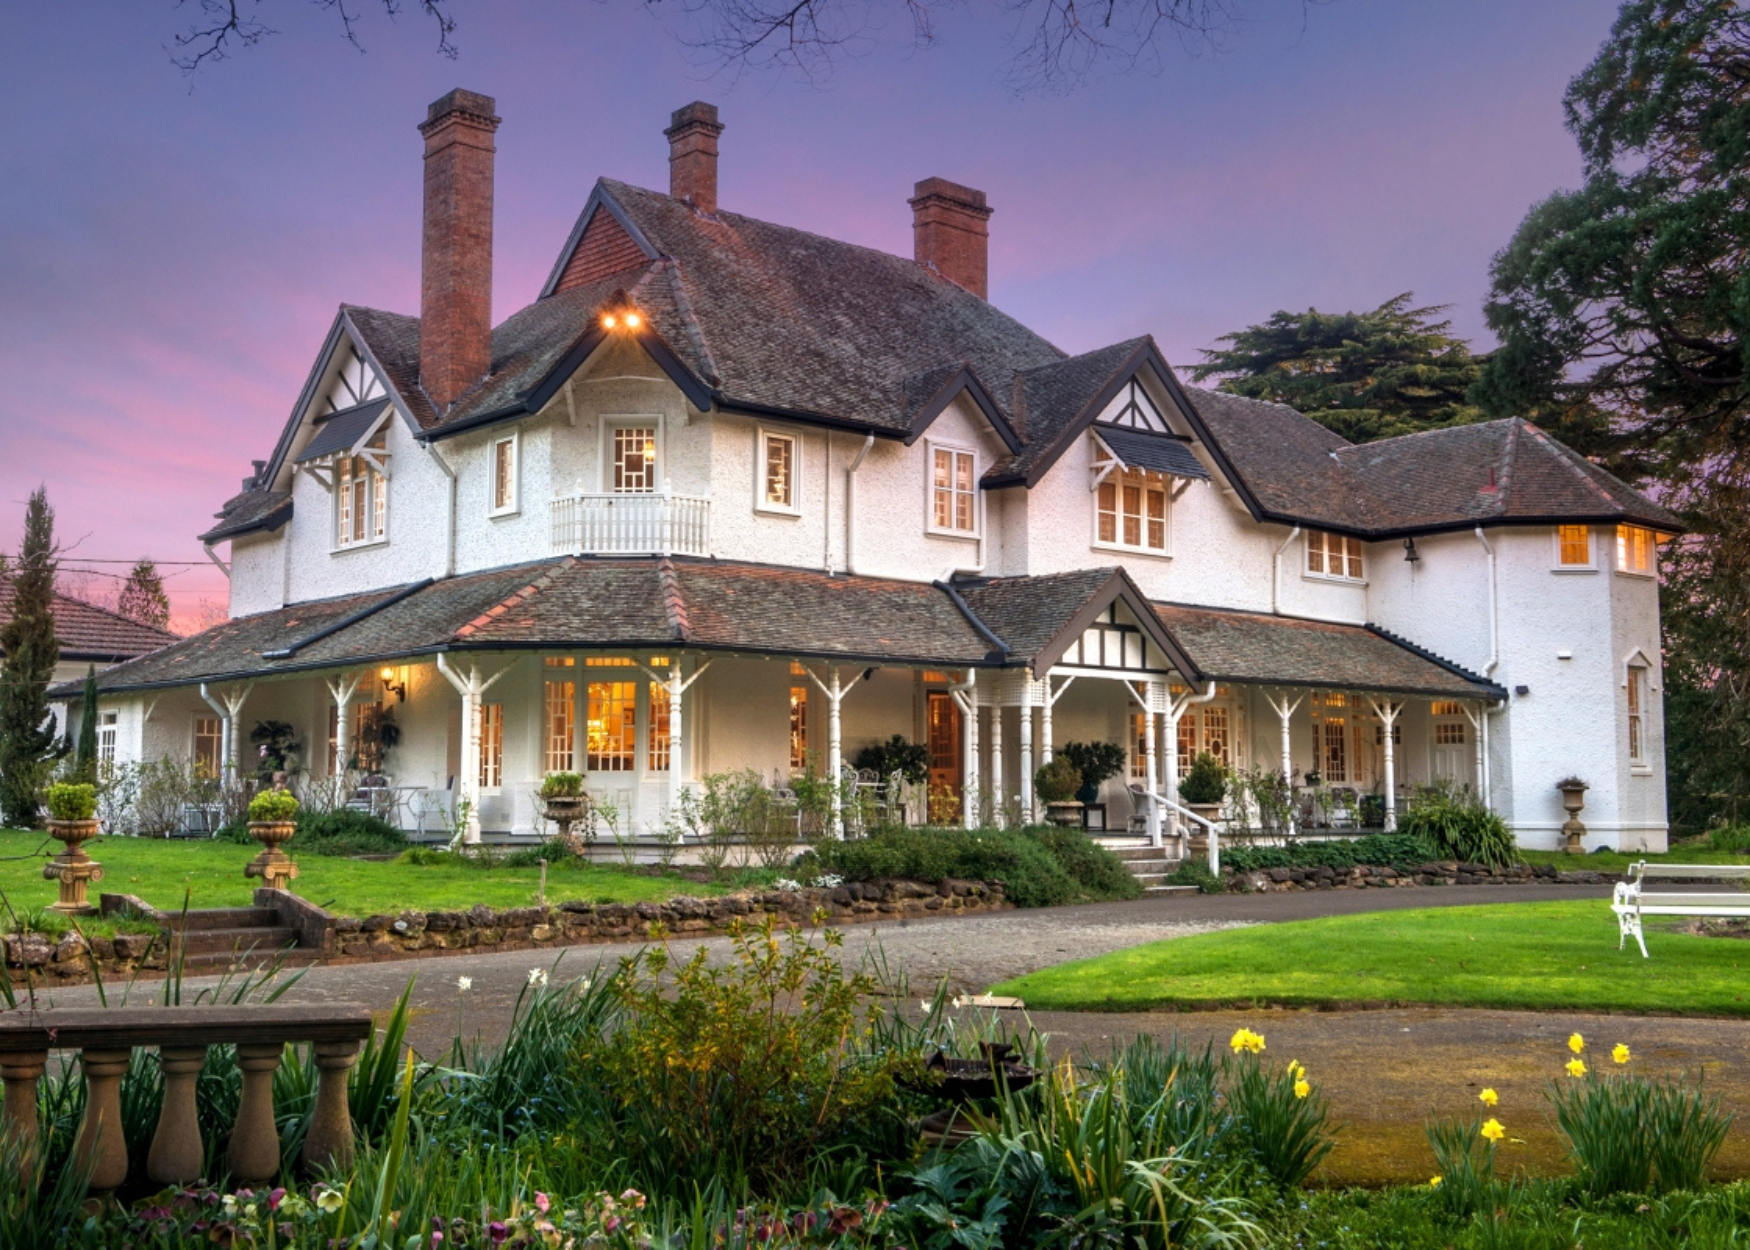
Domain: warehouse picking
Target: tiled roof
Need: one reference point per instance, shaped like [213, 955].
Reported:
[88, 632]
[339, 431]
[248, 512]
[1028, 613]
[1279, 650]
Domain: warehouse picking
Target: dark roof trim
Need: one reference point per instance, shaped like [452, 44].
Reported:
[726, 403]
[344, 430]
[598, 198]
[999, 648]
[265, 522]
[347, 621]
[965, 380]
[307, 395]
[1439, 661]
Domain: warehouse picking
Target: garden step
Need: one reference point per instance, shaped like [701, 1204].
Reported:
[225, 941]
[225, 918]
[1169, 889]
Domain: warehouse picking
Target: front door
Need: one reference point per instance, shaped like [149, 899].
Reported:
[945, 740]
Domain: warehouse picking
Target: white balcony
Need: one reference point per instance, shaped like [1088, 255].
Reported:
[655, 524]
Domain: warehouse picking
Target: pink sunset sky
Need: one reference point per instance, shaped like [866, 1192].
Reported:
[172, 252]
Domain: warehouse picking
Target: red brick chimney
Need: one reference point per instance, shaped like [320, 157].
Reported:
[455, 286]
[692, 155]
[949, 234]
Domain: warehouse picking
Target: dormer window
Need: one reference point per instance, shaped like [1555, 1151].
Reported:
[1333, 555]
[1130, 512]
[361, 497]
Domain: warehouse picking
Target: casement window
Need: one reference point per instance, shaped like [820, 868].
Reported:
[1187, 742]
[656, 743]
[1574, 547]
[561, 725]
[798, 728]
[505, 456]
[953, 491]
[633, 450]
[1636, 551]
[491, 746]
[361, 499]
[1637, 700]
[1333, 555]
[1336, 749]
[1140, 726]
[1448, 733]
[209, 745]
[612, 728]
[106, 727]
[1216, 740]
[780, 458]
[1130, 511]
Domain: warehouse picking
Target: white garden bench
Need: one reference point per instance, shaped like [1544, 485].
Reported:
[1632, 899]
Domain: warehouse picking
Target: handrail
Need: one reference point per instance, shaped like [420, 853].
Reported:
[1209, 825]
[106, 1039]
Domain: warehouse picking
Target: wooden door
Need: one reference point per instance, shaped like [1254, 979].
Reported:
[946, 740]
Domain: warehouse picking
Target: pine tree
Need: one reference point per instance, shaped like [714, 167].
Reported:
[27, 731]
[85, 754]
[142, 596]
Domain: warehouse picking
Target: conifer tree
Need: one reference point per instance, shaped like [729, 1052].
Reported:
[142, 596]
[27, 731]
[85, 754]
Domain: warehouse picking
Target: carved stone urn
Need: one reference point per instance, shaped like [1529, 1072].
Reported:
[1573, 799]
[73, 868]
[273, 866]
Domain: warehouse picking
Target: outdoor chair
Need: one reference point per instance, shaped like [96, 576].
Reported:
[434, 809]
[1344, 812]
[1139, 801]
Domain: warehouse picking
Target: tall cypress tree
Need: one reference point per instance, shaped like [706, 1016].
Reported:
[85, 754]
[27, 731]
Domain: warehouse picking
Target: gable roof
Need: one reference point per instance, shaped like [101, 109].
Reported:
[88, 632]
[1038, 618]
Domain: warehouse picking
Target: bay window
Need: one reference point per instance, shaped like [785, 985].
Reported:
[1636, 551]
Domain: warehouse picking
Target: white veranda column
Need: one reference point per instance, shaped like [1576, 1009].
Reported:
[999, 808]
[1028, 815]
[965, 696]
[677, 687]
[1388, 713]
[229, 705]
[1477, 718]
[835, 694]
[472, 686]
[342, 688]
[1285, 712]
[1150, 699]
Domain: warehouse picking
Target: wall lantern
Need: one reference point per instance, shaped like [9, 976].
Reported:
[1410, 552]
[391, 686]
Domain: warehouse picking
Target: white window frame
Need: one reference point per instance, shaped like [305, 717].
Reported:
[107, 726]
[931, 447]
[217, 737]
[1556, 564]
[1625, 549]
[513, 441]
[763, 439]
[1635, 688]
[491, 748]
[1117, 479]
[634, 420]
[1306, 569]
[376, 504]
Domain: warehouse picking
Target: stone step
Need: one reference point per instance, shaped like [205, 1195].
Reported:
[1169, 889]
[227, 918]
[226, 941]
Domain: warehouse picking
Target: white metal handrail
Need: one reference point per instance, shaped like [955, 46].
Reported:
[656, 524]
[1208, 825]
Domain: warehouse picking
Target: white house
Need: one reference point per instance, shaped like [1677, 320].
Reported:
[90, 636]
[728, 494]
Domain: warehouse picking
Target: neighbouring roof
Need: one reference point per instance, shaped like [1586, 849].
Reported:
[88, 632]
[1258, 648]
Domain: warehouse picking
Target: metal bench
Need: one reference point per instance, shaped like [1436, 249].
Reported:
[1632, 900]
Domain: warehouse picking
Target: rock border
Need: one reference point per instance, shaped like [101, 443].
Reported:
[1440, 873]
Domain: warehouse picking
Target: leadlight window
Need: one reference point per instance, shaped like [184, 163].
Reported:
[953, 491]
[1635, 549]
[1131, 511]
[798, 727]
[1448, 733]
[1446, 707]
[1574, 546]
[1187, 742]
[635, 459]
[1215, 734]
[1139, 731]
[504, 476]
[491, 745]
[209, 739]
[561, 722]
[1637, 684]
[778, 463]
[613, 726]
[657, 746]
[1336, 752]
[1333, 555]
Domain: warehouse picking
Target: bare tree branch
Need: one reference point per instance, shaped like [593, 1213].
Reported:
[225, 26]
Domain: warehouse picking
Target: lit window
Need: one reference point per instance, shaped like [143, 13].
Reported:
[1139, 727]
[798, 727]
[1333, 555]
[778, 461]
[635, 459]
[1187, 742]
[1215, 734]
[561, 705]
[656, 750]
[209, 737]
[561, 661]
[106, 726]
[361, 495]
[1635, 550]
[1446, 707]
[608, 661]
[1448, 733]
[504, 475]
[1637, 682]
[613, 726]
[1574, 546]
[491, 745]
[1336, 750]
[1131, 511]
[953, 482]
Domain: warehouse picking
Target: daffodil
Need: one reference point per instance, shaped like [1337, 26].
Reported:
[1433, 1182]
[1301, 1088]
[1492, 1130]
[1576, 1068]
[1620, 1053]
[538, 977]
[1576, 1043]
[1246, 1040]
[1488, 1098]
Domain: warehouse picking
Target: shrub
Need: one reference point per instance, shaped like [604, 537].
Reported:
[340, 832]
[896, 755]
[1731, 838]
[273, 805]
[1206, 782]
[1391, 850]
[1058, 781]
[1628, 1134]
[562, 786]
[1039, 867]
[1458, 827]
[1196, 872]
[71, 800]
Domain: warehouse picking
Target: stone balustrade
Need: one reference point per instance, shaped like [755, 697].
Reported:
[105, 1040]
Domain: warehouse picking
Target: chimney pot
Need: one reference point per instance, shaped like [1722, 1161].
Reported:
[455, 295]
[949, 233]
[692, 155]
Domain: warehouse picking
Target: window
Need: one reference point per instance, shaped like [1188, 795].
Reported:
[1333, 555]
[1187, 742]
[656, 757]
[561, 720]
[798, 727]
[1336, 753]
[1448, 733]
[1635, 550]
[1446, 707]
[607, 661]
[634, 459]
[779, 456]
[1130, 511]
[613, 726]
[361, 494]
[1139, 728]
[1215, 734]
[953, 483]
[209, 738]
[491, 745]
[106, 726]
[1574, 546]
[504, 476]
[1637, 685]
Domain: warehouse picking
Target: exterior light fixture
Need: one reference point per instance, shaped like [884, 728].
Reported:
[610, 321]
[1410, 552]
[633, 321]
[391, 686]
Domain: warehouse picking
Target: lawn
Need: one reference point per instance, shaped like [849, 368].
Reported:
[1618, 861]
[212, 875]
[1542, 956]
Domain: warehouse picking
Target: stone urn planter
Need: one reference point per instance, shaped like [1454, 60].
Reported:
[566, 810]
[1068, 814]
[1573, 800]
[272, 865]
[73, 868]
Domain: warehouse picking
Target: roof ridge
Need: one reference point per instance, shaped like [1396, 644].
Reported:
[543, 580]
[1509, 454]
[689, 319]
[674, 599]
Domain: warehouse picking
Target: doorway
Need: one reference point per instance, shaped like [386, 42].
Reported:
[946, 742]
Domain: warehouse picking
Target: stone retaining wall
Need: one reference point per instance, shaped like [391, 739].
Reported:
[1361, 877]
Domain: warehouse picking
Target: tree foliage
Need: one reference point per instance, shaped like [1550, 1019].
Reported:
[85, 752]
[28, 742]
[142, 596]
[1366, 375]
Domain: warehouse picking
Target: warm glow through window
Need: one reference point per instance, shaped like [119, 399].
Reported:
[613, 726]
[1574, 545]
[1635, 549]
[953, 486]
[656, 749]
[778, 472]
[635, 459]
[491, 745]
[561, 713]
[1333, 555]
[798, 727]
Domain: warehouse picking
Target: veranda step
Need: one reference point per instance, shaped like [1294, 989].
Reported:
[226, 941]
[224, 918]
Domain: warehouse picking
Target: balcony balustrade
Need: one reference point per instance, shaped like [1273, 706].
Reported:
[654, 524]
[107, 1037]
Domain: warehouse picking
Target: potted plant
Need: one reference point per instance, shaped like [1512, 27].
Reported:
[1573, 799]
[564, 803]
[910, 760]
[1205, 786]
[273, 819]
[1056, 785]
[1096, 761]
[72, 822]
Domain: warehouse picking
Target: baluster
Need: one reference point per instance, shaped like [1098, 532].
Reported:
[328, 1143]
[20, 1073]
[100, 1147]
[254, 1153]
[176, 1156]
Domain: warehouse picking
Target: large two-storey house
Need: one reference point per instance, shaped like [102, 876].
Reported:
[731, 495]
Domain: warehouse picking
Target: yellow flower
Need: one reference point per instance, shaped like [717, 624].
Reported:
[1488, 1098]
[1576, 1043]
[1492, 1130]
[1433, 1182]
[1620, 1053]
[1576, 1068]
[1245, 1039]
[1301, 1088]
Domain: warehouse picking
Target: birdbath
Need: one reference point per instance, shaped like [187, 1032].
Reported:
[1573, 799]
[73, 868]
[966, 1081]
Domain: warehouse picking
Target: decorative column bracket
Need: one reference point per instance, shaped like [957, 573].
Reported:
[472, 687]
[1388, 713]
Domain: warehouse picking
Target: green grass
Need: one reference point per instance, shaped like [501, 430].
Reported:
[1536, 956]
[1618, 861]
[212, 872]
